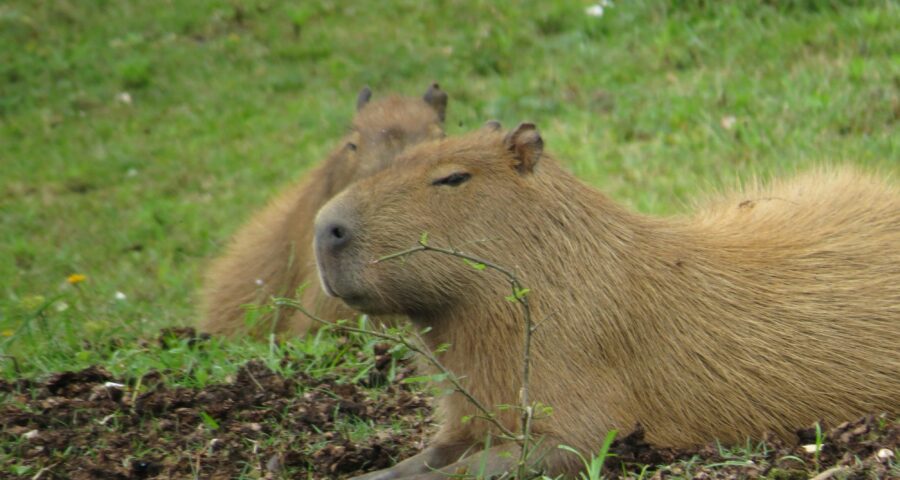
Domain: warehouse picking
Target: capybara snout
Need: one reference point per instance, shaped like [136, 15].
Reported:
[334, 234]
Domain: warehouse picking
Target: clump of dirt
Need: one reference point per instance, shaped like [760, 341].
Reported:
[263, 424]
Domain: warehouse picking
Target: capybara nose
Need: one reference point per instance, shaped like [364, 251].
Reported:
[333, 236]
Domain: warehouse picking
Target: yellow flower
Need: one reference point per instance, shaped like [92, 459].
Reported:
[7, 333]
[76, 278]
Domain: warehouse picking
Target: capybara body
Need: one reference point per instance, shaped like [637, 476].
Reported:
[765, 311]
[272, 254]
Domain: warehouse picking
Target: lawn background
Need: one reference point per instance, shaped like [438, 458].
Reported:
[136, 136]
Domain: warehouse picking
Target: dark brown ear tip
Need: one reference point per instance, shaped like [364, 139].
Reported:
[524, 126]
[525, 132]
[363, 98]
[437, 98]
[435, 94]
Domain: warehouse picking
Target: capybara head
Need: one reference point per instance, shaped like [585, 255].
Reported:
[381, 129]
[476, 192]
[271, 254]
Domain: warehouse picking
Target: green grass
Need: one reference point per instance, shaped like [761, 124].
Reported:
[136, 136]
[228, 104]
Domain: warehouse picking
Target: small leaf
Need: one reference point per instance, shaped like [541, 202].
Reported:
[416, 379]
[209, 421]
[425, 378]
[476, 265]
[423, 240]
[465, 419]
[576, 452]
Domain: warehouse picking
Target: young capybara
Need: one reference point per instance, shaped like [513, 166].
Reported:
[765, 311]
[272, 254]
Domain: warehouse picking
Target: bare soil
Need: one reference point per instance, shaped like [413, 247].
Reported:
[260, 424]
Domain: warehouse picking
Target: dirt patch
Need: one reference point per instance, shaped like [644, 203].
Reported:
[862, 449]
[89, 425]
[262, 424]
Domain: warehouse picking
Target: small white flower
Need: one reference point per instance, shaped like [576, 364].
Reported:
[120, 296]
[61, 306]
[259, 282]
[113, 385]
[124, 97]
[30, 434]
[132, 172]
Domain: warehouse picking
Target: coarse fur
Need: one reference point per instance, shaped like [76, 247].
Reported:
[766, 310]
[272, 254]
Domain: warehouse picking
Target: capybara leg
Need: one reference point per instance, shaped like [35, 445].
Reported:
[498, 460]
[439, 465]
[482, 464]
[425, 462]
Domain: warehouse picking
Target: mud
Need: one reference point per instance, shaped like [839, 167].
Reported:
[261, 424]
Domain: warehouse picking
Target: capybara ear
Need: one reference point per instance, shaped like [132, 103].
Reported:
[492, 126]
[363, 98]
[437, 98]
[527, 145]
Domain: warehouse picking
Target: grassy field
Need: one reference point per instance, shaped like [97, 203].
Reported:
[136, 136]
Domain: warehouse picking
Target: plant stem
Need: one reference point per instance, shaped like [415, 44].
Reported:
[519, 295]
[422, 350]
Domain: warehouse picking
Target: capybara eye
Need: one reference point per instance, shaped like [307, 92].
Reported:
[453, 180]
[351, 146]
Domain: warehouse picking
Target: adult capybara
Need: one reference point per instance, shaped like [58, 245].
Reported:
[767, 310]
[272, 254]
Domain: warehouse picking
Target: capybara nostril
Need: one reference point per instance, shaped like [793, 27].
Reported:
[332, 236]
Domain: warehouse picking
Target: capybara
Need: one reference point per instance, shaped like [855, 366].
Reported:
[272, 254]
[765, 311]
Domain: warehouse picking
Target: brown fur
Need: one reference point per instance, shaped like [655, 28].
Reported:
[767, 310]
[271, 254]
